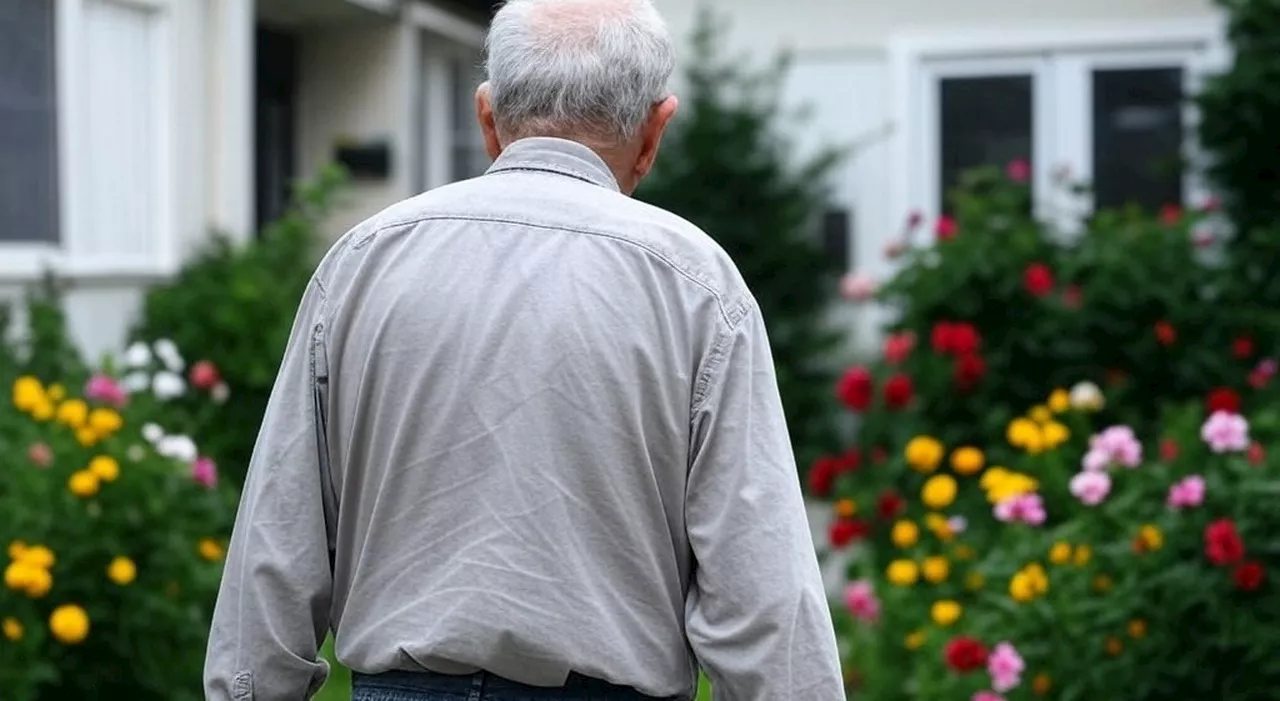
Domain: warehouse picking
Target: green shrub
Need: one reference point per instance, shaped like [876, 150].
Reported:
[230, 310]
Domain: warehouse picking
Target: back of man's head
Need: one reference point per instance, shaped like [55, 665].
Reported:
[591, 70]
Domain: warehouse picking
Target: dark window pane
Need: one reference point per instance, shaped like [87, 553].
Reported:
[1137, 137]
[28, 124]
[469, 157]
[984, 121]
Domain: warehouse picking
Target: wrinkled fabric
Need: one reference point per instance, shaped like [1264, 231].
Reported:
[527, 425]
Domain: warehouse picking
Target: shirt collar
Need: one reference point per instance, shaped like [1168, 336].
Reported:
[554, 155]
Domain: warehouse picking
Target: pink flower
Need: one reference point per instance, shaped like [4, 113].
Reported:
[914, 219]
[1091, 486]
[40, 454]
[1225, 432]
[946, 228]
[987, 696]
[1116, 445]
[1018, 171]
[857, 287]
[1186, 492]
[205, 472]
[204, 375]
[104, 389]
[1024, 508]
[861, 600]
[898, 346]
[1005, 666]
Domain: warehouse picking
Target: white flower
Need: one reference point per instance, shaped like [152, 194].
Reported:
[168, 353]
[136, 382]
[168, 385]
[178, 448]
[1086, 396]
[152, 433]
[221, 392]
[137, 356]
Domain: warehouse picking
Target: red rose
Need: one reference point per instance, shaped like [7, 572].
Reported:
[1242, 348]
[898, 391]
[204, 375]
[1165, 333]
[1169, 450]
[965, 654]
[822, 475]
[1257, 454]
[851, 461]
[1249, 576]
[1038, 280]
[1223, 399]
[946, 228]
[1170, 215]
[954, 338]
[856, 389]
[889, 505]
[898, 346]
[969, 371]
[845, 530]
[1222, 544]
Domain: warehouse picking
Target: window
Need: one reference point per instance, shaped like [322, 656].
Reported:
[983, 120]
[469, 157]
[1137, 137]
[28, 122]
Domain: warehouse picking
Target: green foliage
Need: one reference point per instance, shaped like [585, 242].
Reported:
[43, 348]
[726, 167]
[234, 306]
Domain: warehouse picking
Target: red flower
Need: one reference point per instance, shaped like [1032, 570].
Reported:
[1038, 279]
[946, 228]
[898, 391]
[1019, 171]
[845, 530]
[889, 505]
[1222, 544]
[898, 346]
[1223, 399]
[954, 338]
[1073, 297]
[1170, 215]
[968, 371]
[822, 475]
[1249, 576]
[1165, 333]
[856, 389]
[204, 375]
[1242, 348]
[966, 654]
[1169, 450]
[1257, 454]
[851, 461]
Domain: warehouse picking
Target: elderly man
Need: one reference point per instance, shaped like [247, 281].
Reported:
[526, 441]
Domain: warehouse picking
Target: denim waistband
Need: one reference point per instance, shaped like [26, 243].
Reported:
[576, 686]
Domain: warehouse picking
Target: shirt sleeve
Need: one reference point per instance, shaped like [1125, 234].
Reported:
[272, 611]
[757, 615]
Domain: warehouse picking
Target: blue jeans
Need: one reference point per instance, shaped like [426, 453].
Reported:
[413, 686]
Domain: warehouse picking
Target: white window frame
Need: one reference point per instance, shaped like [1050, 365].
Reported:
[1060, 60]
[25, 261]
[433, 85]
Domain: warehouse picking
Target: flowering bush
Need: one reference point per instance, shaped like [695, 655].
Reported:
[114, 533]
[1069, 557]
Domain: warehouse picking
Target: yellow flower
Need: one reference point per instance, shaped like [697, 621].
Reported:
[946, 612]
[28, 579]
[1020, 588]
[1082, 556]
[1040, 414]
[1137, 629]
[86, 436]
[1060, 553]
[43, 410]
[924, 453]
[36, 555]
[1035, 443]
[1021, 431]
[935, 569]
[1059, 400]
[1004, 484]
[83, 484]
[210, 550]
[1041, 684]
[845, 508]
[1102, 584]
[105, 468]
[963, 552]
[27, 394]
[939, 491]
[915, 640]
[122, 571]
[16, 550]
[903, 573]
[1149, 539]
[1055, 434]
[974, 581]
[12, 629]
[1114, 646]
[57, 392]
[69, 624]
[967, 460]
[905, 534]
[73, 412]
[1039, 578]
[105, 421]
[939, 526]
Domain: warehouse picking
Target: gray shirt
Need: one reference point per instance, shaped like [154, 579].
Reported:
[529, 425]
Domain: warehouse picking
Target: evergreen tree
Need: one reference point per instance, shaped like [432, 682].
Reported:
[727, 167]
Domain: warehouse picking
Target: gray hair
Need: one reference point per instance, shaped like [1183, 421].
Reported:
[587, 68]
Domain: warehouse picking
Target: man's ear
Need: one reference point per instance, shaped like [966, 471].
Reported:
[488, 127]
[651, 134]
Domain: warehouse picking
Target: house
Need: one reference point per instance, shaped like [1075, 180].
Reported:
[131, 130]
[924, 89]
